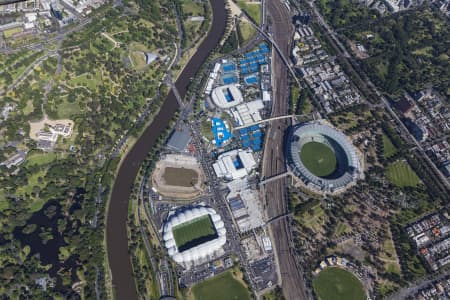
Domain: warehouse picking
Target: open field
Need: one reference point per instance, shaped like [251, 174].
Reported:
[388, 148]
[180, 176]
[38, 158]
[10, 32]
[252, 9]
[195, 232]
[313, 218]
[318, 158]
[246, 32]
[221, 287]
[338, 284]
[401, 174]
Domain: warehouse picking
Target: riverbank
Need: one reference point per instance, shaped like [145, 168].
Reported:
[116, 234]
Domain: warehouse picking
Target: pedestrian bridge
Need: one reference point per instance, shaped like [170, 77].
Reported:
[275, 177]
[267, 120]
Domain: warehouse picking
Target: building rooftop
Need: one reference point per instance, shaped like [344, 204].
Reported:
[234, 164]
[179, 139]
[226, 96]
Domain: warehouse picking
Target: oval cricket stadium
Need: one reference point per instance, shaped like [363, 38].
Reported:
[193, 235]
[322, 157]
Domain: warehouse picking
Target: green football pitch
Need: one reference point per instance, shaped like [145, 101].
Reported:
[194, 232]
[221, 287]
[338, 284]
[318, 158]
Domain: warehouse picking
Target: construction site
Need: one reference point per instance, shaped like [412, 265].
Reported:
[178, 176]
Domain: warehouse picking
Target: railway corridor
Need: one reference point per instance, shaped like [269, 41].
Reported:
[292, 281]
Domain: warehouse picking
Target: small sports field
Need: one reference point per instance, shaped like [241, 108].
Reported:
[338, 284]
[221, 287]
[401, 174]
[194, 232]
[318, 158]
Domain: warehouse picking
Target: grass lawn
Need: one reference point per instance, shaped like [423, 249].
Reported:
[246, 32]
[388, 148]
[401, 174]
[3, 203]
[67, 110]
[40, 158]
[342, 228]
[192, 8]
[138, 59]
[318, 158]
[221, 287]
[83, 80]
[10, 32]
[338, 284]
[29, 108]
[252, 9]
[314, 218]
[194, 232]
[346, 120]
[389, 256]
[207, 130]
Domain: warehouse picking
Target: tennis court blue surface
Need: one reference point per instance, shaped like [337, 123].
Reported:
[251, 80]
[220, 131]
[229, 68]
[251, 137]
[230, 80]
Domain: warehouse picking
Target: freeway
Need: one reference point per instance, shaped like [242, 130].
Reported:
[292, 280]
[116, 232]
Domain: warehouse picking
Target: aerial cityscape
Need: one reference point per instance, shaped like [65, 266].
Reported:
[224, 149]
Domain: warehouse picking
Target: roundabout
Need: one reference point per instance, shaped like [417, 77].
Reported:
[322, 157]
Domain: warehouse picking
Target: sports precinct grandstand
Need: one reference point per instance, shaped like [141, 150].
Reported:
[322, 157]
[226, 96]
[192, 235]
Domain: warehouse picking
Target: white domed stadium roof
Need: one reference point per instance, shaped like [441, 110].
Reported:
[200, 251]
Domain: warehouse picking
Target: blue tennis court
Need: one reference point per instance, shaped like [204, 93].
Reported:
[220, 131]
[229, 68]
[263, 48]
[243, 130]
[251, 80]
[245, 137]
[230, 79]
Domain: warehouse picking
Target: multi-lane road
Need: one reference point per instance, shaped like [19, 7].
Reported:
[292, 280]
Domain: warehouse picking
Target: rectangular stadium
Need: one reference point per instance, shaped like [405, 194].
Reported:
[194, 232]
[193, 235]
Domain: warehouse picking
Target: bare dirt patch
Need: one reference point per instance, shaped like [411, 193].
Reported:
[178, 176]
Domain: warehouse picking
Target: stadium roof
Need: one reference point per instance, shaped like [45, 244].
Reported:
[234, 164]
[199, 252]
[321, 132]
[226, 96]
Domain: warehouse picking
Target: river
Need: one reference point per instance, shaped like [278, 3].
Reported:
[116, 229]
